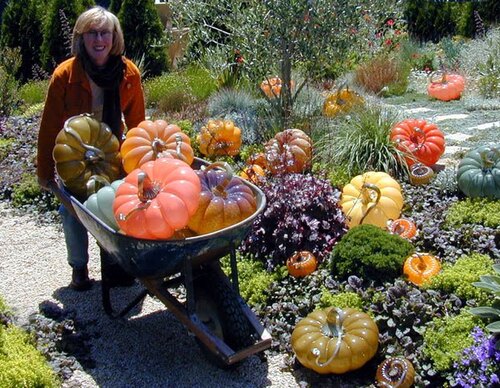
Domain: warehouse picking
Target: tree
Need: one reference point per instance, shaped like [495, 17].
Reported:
[274, 36]
[144, 35]
[22, 27]
[115, 6]
[58, 27]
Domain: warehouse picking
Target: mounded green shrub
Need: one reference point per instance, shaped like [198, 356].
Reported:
[457, 278]
[370, 253]
[447, 337]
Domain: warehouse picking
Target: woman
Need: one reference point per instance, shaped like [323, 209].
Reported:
[98, 79]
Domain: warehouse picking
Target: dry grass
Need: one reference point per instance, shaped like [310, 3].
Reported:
[378, 73]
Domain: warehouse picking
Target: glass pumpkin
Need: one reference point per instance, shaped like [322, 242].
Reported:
[478, 173]
[219, 138]
[335, 340]
[86, 147]
[272, 86]
[290, 151]
[421, 141]
[372, 198]
[420, 267]
[225, 200]
[342, 101]
[157, 199]
[445, 87]
[151, 140]
[100, 202]
[301, 264]
[395, 372]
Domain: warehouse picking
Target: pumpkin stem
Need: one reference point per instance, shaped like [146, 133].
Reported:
[438, 76]
[92, 154]
[92, 183]
[334, 319]
[416, 139]
[158, 146]
[393, 373]
[368, 197]
[488, 156]
[220, 189]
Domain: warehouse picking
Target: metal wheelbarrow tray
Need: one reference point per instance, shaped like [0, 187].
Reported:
[224, 326]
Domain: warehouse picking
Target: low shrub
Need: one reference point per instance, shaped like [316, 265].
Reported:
[168, 92]
[383, 75]
[457, 278]
[370, 253]
[480, 211]
[5, 147]
[360, 142]
[302, 213]
[447, 337]
[34, 92]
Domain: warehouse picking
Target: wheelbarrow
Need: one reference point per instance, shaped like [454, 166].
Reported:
[224, 326]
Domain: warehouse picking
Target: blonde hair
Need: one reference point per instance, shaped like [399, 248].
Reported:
[97, 17]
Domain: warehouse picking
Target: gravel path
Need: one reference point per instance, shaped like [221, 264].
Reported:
[150, 348]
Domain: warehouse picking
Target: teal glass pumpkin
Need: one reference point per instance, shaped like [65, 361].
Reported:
[479, 172]
[101, 204]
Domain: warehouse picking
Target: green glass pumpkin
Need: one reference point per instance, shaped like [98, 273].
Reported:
[100, 203]
[479, 172]
[86, 147]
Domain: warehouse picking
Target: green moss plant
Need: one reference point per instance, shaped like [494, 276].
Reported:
[370, 253]
[5, 147]
[253, 279]
[21, 364]
[447, 337]
[341, 299]
[474, 211]
[458, 278]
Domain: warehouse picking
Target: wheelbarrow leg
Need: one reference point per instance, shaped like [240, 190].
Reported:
[106, 293]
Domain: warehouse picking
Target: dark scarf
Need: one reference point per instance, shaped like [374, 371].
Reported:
[108, 78]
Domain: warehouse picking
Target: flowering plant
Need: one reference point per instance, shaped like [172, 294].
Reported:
[479, 365]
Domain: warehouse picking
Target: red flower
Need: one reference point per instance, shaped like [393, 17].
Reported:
[388, 42]
[397, 32]
[390, 22]
[378, 35]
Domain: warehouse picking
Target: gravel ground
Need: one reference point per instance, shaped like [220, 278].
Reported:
[150, 348]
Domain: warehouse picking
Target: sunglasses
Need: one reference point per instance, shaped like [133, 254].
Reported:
[105, 34]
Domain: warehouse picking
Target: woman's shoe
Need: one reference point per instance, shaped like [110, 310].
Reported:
[80, 280]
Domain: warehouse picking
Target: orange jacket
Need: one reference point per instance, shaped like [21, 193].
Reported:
[69, 95]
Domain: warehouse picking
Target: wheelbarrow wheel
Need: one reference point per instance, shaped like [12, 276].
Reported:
[218, 306]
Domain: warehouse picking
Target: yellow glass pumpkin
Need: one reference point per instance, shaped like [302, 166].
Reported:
[335, 340]
[220, 138]
[371, 198]
[341, 101]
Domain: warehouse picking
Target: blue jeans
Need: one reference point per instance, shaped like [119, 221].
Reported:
[77, 239]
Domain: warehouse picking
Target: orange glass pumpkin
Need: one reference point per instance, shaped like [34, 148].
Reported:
[402, 227]
[421, 141]
[290, 151]
[151, 140]
[395, 372]
[272, 86]
[157, 199]
[301, 264]
[253, 173]
[419, 267]
[445, 87]
[225, 200]
[258, 158]
[335, 340]
[220, 138]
